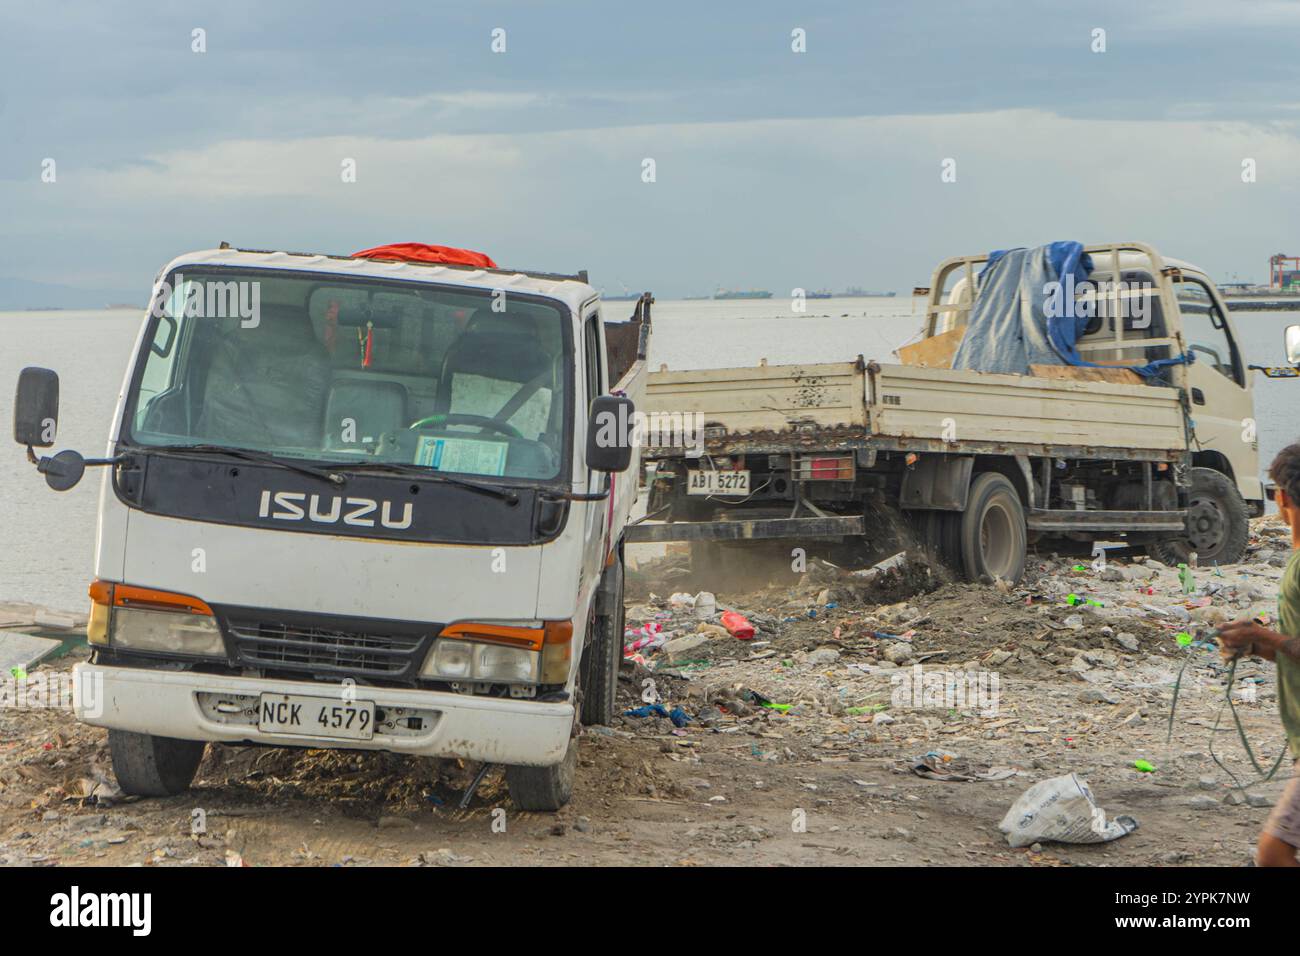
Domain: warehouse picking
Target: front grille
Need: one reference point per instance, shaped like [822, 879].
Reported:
[320, 649]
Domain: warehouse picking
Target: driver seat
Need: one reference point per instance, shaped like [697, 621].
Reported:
[265, 383]
[497, 345]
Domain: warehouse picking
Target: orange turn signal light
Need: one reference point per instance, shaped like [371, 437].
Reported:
[551, 632]
[130, 596]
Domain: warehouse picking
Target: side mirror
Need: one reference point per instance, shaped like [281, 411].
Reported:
[1292, 338]
[610, 433]
[63, 471]
[36, 407]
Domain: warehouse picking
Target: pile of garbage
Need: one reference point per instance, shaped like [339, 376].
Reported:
[1106, 622]
[672, 630]
[679, 649]
[682, 630]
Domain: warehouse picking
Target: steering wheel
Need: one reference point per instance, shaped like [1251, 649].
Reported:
[461, 418]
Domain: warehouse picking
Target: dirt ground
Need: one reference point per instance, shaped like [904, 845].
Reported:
[799, 748]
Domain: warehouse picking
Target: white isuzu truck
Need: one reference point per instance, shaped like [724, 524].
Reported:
[359, 503]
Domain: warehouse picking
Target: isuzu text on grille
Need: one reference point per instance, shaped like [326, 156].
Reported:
[353, 511]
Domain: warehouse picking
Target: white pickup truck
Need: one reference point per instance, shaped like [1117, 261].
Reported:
[976, 465]
[354, 503]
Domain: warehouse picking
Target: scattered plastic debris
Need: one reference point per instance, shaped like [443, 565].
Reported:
[1061, 810]
[678, 716]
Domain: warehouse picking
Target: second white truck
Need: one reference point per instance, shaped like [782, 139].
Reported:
[977, 465]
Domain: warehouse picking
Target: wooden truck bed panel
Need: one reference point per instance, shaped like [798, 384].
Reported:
[837, 401]
[913, 402]
[764, 398]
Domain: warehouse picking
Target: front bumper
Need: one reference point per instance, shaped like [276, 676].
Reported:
[184, 705]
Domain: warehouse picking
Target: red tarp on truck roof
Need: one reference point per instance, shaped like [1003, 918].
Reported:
[420, 252]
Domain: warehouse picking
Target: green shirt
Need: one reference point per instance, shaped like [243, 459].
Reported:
[1288, 670]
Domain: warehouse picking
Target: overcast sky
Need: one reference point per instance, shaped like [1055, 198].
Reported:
[773, 169]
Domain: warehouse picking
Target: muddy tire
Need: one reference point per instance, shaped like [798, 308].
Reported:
[1218, 524]
[598, 670]
[993, 536]
[939, 534]
[149, 766]
[544, 788]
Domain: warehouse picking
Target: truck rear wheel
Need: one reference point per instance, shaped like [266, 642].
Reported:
[598, 671]
[149, 766]
[544, 788]
[1218, 524]
[939, 534]
[993, 534]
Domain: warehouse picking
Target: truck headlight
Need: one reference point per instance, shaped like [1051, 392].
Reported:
[472, 661]
[165, 631]
[509, 665]
[501, 652]
[450, 659]
[143, 619]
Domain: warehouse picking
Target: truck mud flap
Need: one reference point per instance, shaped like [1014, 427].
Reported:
[835, 526]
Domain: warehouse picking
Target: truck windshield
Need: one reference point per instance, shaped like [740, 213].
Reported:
[348, 371]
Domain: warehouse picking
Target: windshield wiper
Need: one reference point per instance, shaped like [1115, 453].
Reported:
[420, 471]
[245, 454]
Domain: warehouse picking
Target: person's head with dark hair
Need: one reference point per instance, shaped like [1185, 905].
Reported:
[1285, 472]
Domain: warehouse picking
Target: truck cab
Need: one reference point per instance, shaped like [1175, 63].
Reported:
[1150, 308]
[359, 503]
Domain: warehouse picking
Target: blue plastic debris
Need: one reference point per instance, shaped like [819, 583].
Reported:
[678, 716]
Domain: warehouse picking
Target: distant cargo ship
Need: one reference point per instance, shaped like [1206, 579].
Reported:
[742, 294]
[820, 294]
[856, 293]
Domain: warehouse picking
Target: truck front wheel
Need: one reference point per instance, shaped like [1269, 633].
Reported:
[1218, 524]
[598, 673]
[149, 766]
[544, 788]
[993, 534]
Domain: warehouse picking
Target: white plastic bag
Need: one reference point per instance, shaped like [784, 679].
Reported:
[1062, 810]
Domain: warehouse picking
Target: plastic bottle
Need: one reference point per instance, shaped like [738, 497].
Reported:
[706, 605]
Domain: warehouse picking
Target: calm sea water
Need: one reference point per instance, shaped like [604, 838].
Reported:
[47, 539]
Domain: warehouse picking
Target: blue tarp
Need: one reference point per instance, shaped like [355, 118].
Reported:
[1010, 327]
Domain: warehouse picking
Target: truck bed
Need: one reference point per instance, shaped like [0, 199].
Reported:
[856, 404]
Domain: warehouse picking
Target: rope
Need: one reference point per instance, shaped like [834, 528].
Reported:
[1261, 775]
